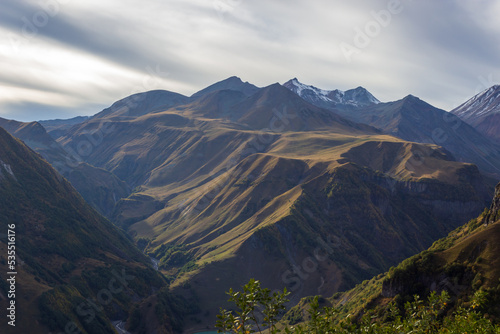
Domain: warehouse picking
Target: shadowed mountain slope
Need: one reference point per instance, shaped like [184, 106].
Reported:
[74, 268]
[98, 187]
[462, 263]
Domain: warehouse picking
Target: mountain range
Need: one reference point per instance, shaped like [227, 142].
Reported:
[230, 175]
[415, 120]
[290, 184]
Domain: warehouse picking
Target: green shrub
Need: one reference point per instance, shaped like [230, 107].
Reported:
[419, 316]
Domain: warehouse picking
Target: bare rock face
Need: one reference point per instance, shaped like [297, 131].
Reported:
[417, 282]
[494, 213]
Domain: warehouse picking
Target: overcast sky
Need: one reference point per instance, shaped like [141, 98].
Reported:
[63, 58]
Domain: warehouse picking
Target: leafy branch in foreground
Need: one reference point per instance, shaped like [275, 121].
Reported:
[258, 311]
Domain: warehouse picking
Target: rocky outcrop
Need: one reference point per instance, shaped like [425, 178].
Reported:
[494, 213]
[421, 284]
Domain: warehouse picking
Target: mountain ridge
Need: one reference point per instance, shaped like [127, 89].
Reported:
[58, 127]
[332, 99]
[416, 120]
[141, 103]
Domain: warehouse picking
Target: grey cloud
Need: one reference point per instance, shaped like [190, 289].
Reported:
[449, 27]
[97, 35]
[433, 49]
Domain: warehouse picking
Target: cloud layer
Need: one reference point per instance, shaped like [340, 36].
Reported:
[62, 58]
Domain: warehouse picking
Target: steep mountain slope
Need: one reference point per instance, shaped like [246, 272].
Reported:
[462, 263]
[332, 99]
[74, 268]
[98, 187]
[483, 112]
[415, 120]
[270, 216]
[229, 186]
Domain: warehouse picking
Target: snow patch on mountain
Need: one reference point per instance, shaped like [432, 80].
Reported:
[299, 88]
[358, 97]
[7, 168]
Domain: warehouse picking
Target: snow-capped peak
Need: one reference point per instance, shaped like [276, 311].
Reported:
[299, 88]
[331, 98]
[485, 103]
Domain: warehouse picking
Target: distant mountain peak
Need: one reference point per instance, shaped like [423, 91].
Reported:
[357, 97]
[415, 102]
[411, 98]
[142, 103]
[231, 83]
[274, 86]
[300, 89]
[231, 80]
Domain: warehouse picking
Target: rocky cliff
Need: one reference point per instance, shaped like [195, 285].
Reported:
[494, 213]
